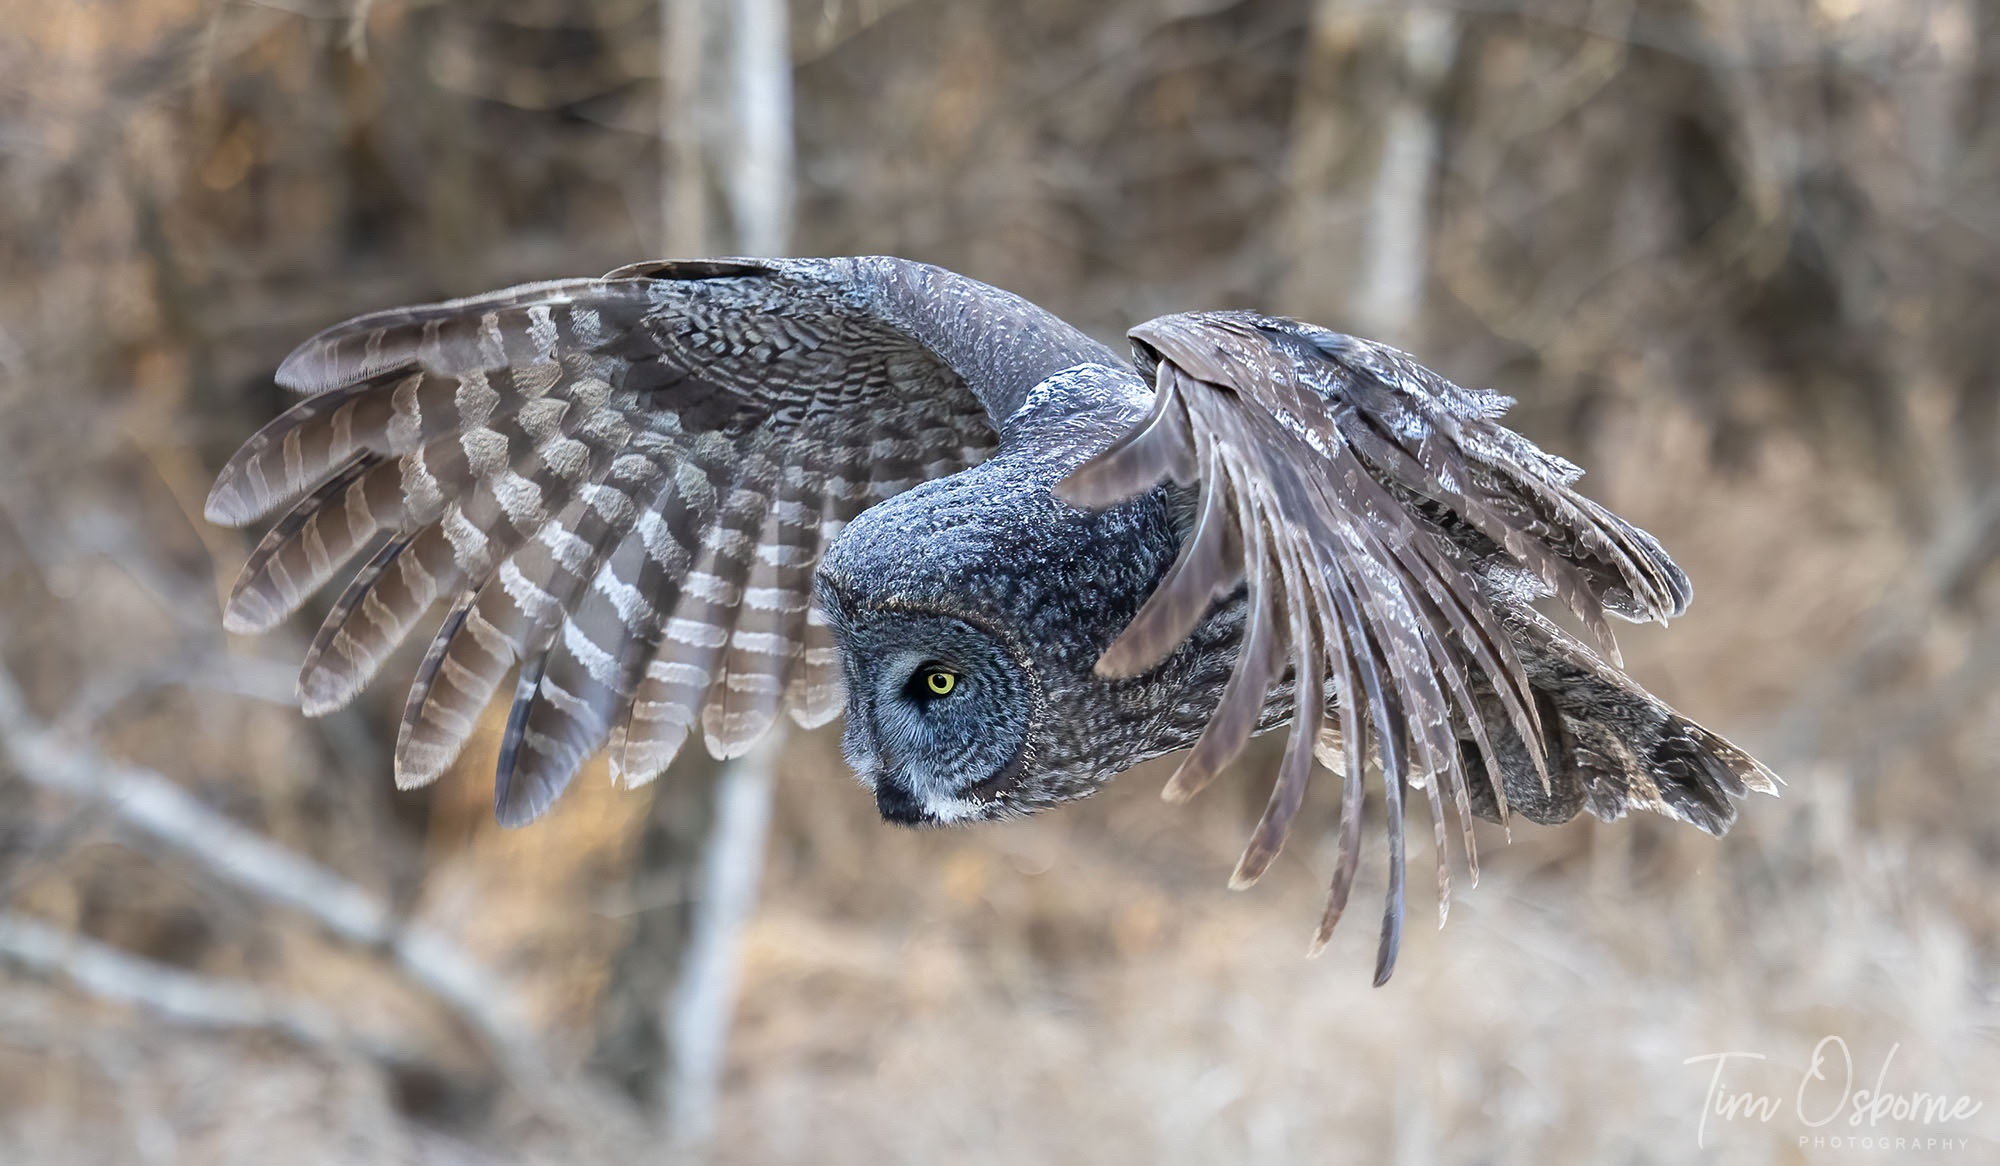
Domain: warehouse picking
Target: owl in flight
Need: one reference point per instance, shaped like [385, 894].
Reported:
[690, 497]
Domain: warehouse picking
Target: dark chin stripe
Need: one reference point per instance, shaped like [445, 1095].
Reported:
[895, 802]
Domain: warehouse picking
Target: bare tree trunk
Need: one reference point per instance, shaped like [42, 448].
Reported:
[759, 153]
[1396, 257]
[684, 215]
[757, 158]
[696, 1016]
[664, 1024]
[1364, 149]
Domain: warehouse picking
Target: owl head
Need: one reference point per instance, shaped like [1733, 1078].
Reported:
[969, 612]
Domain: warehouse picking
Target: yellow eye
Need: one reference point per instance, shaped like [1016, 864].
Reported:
[940, 682]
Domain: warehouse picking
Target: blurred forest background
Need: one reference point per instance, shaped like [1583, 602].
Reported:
[1740, 258]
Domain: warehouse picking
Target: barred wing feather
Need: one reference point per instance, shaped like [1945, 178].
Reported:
[617, 488]
[1376, 517]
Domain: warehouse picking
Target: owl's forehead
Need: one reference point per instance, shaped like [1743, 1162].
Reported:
[992, 545]
[969, 543]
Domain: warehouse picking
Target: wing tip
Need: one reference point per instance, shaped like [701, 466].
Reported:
[518, 799]
[409, 776]
[640, 760]
[732, 734]
[323, 691]
[621, 777]
[514, 811]
[419, 762]
[248, 613]
[304, 369]
[227, 504]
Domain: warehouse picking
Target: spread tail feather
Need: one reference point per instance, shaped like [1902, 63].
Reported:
[1611, 745]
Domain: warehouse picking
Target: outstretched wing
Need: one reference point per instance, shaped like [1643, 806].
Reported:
[617, 487]
[1380, 522]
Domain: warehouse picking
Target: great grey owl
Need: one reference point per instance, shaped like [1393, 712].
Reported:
[708, 493]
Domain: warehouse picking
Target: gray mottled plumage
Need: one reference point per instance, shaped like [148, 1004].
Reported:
[690, 497]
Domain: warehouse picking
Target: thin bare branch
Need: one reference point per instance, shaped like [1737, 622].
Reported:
[151, 804]
[174, 994]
